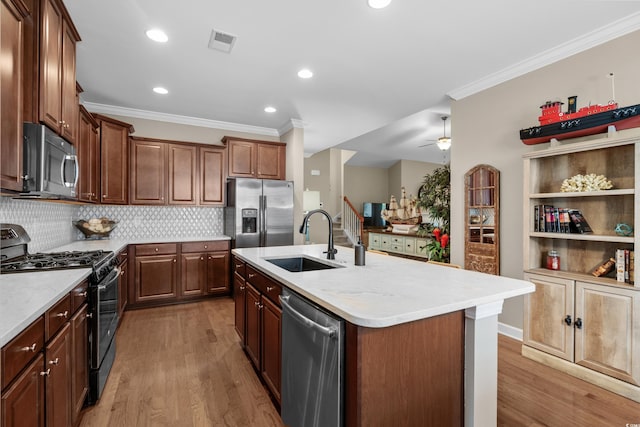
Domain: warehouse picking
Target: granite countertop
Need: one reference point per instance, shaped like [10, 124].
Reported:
[26, 296]
[387, 290]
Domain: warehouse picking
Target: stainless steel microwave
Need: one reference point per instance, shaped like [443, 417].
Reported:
[50, 164]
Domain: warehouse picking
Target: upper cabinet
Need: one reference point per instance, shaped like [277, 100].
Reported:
[88, 151]
[58, 103]
[114, 160]
[250, 158]
[213, 170]
[12, 14]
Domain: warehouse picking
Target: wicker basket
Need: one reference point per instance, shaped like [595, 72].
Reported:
[93, 229]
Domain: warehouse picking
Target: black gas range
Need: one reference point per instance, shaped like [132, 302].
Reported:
[103, 293]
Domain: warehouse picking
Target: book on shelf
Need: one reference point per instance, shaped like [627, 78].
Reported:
[578, 223]
[549, 219]
[625, 259]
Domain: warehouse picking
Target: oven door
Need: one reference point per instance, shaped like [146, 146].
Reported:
[104, 308]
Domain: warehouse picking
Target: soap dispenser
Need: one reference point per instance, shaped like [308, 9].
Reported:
[359, 251]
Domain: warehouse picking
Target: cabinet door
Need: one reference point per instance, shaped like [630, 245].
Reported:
[58, 381]
[95, 164]
[85, 147]
[11, 97]
[51, 65]
[23, 402]
[114, 160]
[242, 159]
[270, 161]
[182, 174]
[271, 352]
[252, 312]
[123, 287]
[374, 241]
[194, 273]
[218, 272]
[549, 316]
[239, 303]
[212, 176]
[148, 169]
[156, 278]
[79, 362]
[69, 97]
[607, 332]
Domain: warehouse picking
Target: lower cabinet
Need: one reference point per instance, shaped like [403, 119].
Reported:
[23, 401]
[591, 325]
[79, 362]
[239, 299]
[263, 332]
[160, 279]
[58, 379]
[123, 282]
[399, 244]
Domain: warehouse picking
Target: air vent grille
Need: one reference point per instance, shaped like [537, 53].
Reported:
[221, 41]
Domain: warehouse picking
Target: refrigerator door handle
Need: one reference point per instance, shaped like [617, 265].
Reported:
[263, 219]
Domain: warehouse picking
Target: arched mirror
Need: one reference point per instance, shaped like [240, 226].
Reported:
[482, 219]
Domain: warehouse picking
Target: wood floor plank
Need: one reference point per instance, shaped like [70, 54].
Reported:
[182, 366]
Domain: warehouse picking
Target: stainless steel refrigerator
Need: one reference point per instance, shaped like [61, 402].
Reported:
[259, 212]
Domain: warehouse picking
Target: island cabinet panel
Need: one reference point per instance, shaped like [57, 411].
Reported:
[182, 174]
[410, 374]
[79, 362]
[239, 299]
[12, 15]
[271, 346]
[23, 402]
[253, 324]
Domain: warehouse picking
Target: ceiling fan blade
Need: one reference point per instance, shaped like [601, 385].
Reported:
[427, 145]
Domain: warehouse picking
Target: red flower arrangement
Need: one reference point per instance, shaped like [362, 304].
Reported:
[437, 248]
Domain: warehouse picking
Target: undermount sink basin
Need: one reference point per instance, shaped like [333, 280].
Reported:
[300, 263]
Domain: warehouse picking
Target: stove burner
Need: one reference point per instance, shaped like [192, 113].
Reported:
[55, 261]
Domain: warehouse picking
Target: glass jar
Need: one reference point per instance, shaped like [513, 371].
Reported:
[553, 260]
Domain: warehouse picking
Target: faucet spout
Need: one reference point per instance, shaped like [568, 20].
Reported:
[331, 251]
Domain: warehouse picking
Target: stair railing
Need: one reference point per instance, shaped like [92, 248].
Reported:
[352, 221]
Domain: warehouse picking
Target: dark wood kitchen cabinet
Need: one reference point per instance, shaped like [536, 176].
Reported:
[123, 282]
[239, 298]
[249, 158]
[58, 379]
[13, 14]
[87, 149]
[114, 160]
[156, 273]
[183, 174]
[205, 268]
[58, 104]
[79, 362]
[213, 171]
[23, 401]
[148, 172]
[263, 317]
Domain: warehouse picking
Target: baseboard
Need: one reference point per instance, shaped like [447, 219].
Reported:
[510, 331]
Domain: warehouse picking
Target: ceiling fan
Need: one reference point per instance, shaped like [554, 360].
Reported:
[444, 142]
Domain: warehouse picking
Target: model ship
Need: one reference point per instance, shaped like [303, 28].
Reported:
[590, 120]
[405, 211]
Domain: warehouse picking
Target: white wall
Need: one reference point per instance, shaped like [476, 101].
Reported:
[485, 129]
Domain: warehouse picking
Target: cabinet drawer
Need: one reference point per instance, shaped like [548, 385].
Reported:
[20, 350]
[239, 267]
[216, 245]
[264, 285]
[385, 242]
[395, 240]
[273, 290]
[57, 316]
[156, 249]
[395, 247]
[79, 296]
[374, 241]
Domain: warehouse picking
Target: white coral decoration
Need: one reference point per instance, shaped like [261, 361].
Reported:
[590, 182]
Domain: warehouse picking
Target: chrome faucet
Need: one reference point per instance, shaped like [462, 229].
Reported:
[331, 251]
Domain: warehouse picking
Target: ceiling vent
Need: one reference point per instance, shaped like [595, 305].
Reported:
[221, 41]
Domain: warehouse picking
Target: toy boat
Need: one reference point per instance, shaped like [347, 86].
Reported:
[555, 124]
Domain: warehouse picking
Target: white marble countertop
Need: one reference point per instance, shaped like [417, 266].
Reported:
[387, 290]
[26, 296]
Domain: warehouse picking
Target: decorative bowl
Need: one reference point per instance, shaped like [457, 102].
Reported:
[477, 219]
[95, 227]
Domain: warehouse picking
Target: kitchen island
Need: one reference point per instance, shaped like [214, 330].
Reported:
[421, 339]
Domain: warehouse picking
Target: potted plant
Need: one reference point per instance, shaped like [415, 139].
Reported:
[434, 198]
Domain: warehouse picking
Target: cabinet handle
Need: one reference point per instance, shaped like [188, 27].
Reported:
[251, 275]
[65, 314]
[175, 260]
[270, 288]
[45, 373]
[209, 257]
[125, 254]
[238, 266]
[567, 320]
[201, 258]
[104, 196]
[82, 294]
[205, 246]
[89, 316]
[122, 272]
[257, 304]
[260, 306]
[156, 249]
[54, 362]
[31, 348]
[578, 323]
[242, 288]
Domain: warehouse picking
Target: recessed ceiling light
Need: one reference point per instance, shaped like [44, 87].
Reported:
[270, 109]
[160, 90]
[378, 4]
[157, 35]
[305, 73]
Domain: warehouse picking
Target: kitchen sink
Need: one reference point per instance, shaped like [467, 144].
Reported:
[300, 263]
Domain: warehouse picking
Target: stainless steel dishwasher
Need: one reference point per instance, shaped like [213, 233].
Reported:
[312, 364]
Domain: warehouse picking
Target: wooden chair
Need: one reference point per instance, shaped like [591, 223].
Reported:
[444, 264]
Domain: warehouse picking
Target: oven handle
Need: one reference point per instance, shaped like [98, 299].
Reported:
[115, 272]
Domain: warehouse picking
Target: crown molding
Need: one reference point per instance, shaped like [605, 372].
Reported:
[594, 38]
[290, 124]
[174, 118]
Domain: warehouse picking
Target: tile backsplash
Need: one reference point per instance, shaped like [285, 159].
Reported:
[49, 224]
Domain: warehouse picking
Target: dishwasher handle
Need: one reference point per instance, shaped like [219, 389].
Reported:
[330, 332]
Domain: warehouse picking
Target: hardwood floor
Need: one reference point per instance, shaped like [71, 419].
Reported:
[182, 365]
